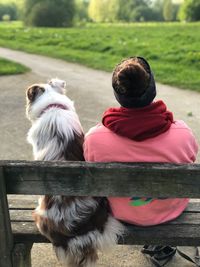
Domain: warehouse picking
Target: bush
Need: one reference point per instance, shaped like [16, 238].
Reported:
[6, 17]
[49, 13]
[8, 9]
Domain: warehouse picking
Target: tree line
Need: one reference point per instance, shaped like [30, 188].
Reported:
[64, 13]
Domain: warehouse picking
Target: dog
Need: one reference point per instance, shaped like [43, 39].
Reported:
[76, 226]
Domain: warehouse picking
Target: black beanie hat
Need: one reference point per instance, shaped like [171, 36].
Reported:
[145, 99]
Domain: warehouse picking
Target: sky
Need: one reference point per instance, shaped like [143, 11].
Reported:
[178, 1]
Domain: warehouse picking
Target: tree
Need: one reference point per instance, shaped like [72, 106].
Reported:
[176, 8]
[112, 10]
[165, 10]
[190, 10]
[103, 10]
[81, 13]
[157, 9]
[95, 10]
[144, 13]
[9, 10]
[127, 8]
[168, 10]
[49, 13]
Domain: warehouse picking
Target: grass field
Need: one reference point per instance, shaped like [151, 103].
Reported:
[9, 67]
[172, 49]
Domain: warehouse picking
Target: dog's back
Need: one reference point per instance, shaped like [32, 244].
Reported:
[76, 226]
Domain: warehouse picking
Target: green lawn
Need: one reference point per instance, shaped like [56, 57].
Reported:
[8, 67]
[173, 49]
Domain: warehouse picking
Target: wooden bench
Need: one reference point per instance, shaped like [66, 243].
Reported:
[18, 231]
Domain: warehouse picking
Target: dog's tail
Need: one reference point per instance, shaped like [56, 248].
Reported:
[81, 251]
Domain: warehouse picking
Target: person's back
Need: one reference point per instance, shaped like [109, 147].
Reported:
[177, 146]
[140, 131]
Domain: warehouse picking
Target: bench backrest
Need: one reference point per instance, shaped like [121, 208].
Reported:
[102, 179]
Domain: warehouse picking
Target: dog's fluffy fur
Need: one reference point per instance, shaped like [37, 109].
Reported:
[76, 226]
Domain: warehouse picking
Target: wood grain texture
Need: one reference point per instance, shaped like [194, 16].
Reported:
[21, 216]
[22, 255]
[6, 238]
[103, 179]
[22, 202]
[185, 230]
[168, 234]
[190, 216]
[106, 179]
[25, 202]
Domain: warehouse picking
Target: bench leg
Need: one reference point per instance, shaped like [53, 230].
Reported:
[6, 237]
[22, 255]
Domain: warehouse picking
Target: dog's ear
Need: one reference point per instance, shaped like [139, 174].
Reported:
[58, 85]
[33, 91]
[55, 82]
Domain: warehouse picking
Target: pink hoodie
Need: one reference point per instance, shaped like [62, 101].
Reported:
[177, 145]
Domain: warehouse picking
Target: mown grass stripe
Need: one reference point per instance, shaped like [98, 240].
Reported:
[171, 48]
[8, 67]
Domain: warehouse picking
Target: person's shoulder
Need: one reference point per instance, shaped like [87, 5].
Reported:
[185, 138]
[96, 130]
[181, 130]
[95, 143]
[181, 126]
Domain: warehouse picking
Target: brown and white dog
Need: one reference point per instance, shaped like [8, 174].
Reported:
[77, 226]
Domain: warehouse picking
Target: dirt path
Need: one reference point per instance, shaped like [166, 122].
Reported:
[91, 90]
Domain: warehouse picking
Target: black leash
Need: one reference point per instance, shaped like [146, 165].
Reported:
[159, 255]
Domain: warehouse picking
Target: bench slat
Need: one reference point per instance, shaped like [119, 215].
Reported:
[22, 202]
[185, 230]
[181, 235]
[21, 215]
[170, 234]
[194, 206]
[185, 218]
[25, 202]
[103, 179]
[6, 237]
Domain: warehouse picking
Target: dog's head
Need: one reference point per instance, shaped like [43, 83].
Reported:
[39, 97]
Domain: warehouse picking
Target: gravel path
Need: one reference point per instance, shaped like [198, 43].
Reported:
[91, 90]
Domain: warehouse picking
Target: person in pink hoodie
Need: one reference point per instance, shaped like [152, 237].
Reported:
[140, 130]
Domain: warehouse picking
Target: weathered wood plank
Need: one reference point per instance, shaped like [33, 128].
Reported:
[187, 217]
[169, 234]
[193, 207]
[22, 202]
[174, 235]
[22, 255]
[21, 215]
[6, 237]
[103, 179]
[185, 230]
[79, 178]
[27, 202]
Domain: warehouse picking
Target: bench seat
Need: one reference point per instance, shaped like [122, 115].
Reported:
[185, 230]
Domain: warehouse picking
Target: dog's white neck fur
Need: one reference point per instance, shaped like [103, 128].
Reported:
[64, 123]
